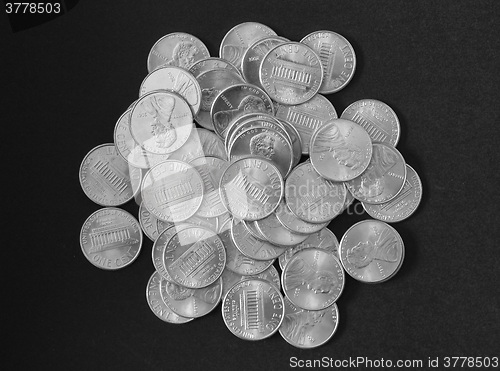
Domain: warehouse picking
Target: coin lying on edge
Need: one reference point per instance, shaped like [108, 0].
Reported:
[111, 238]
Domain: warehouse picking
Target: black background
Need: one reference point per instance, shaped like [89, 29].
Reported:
[65, 83]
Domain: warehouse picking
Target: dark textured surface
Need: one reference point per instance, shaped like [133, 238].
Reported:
[66, 82]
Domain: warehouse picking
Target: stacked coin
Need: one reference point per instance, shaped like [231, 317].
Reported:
[224, 202]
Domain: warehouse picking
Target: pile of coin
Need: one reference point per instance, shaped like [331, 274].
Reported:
[270, 166]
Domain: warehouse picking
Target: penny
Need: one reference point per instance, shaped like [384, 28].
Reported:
[313, 279]
[337, 58]
[161, 121]
[172, 191]
[384, 177]
[236, 261]
[177, 80]
[176, 49]
[371, 251]
[377, 118]
[189, 302]
[341, 150]
[201, 221]
[403, 205]
[157, 305]
[195, 257]
[324, 239]
[149, 223]
[291, 73]
[308, 328]
[252, 247]
[250, 61]
[291, 222]
[211, 170]
[307, 117]
[159, 246]
[235, 101]
[251, 188]
[239, 38]
[201, 143]
[253, 309]
[250, 121]
[230, 278]
[265, 143]
[111, 238]
[105, 176]
[129, 149]
[295, 140]
[211, 63]
[252, 228]
[311, 197]
[212, 82]
[274, 232]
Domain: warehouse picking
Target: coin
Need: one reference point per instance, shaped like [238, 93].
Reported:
[377, 118]
[291, 73]
[250, 121]
[265, 143]
[291, 222]
[251, 188]
[252, 247]
[230, 278]
[177, 80]
[274, 232]
[159, 246]
[236, 261]
[311, 197]
[308, 328]
[176, 49]
[384, 177]
[371, 251]
[295, 140]
[239, 38]
[172, 191]
[313, 279]
[195, 257]
[235, 101]
[129, 149]
[324, 239]
[200, 143]
[253, 309]
[307, 117]
[337, 57]
[105, 176]
[252, 228]
[251, 59]
[403, 205]
[211, 63]
[189, 302]
[341, 150]
[149, 223]
[212, 82]
[161, 121]
[156, 303]
[111, 238]
[211, 170]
